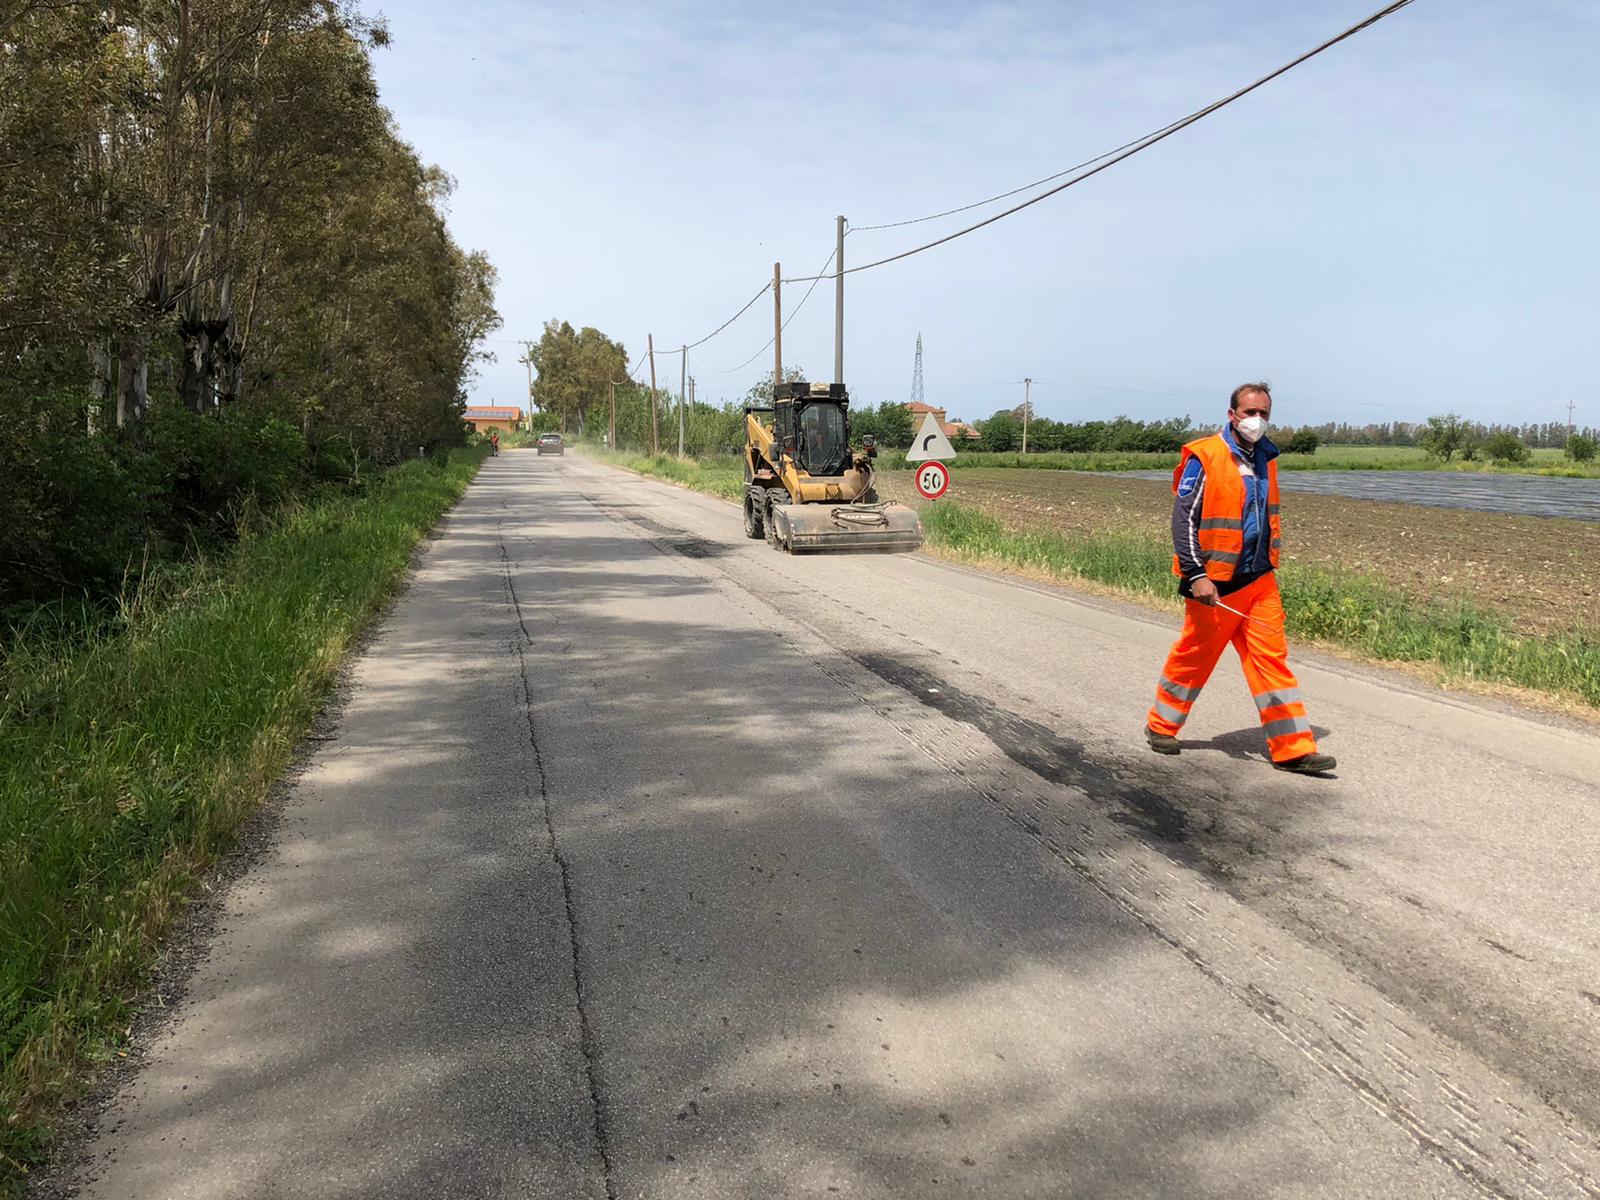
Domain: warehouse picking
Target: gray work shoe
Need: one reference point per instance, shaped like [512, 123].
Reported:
[1308, 764]
[1161, 743]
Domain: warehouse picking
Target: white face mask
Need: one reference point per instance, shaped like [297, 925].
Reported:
[1251, 429]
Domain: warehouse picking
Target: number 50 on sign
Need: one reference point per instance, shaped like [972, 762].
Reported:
[933, 479]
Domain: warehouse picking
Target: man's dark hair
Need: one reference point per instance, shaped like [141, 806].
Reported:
[1263, 387]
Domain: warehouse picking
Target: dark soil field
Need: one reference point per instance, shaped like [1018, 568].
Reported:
[1542, 573]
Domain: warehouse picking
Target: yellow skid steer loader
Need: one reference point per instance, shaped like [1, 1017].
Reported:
[806, 489]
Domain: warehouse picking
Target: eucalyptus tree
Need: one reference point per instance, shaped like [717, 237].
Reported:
[575, 371]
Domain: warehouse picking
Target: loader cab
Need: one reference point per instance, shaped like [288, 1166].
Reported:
[812, 420]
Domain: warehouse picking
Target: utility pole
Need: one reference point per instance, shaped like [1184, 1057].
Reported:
[527, 361]
[1027, 411]
[1570, 426]
[777, 325]
[683, 376]
[655, 431]
[838, 301]
[612, 439]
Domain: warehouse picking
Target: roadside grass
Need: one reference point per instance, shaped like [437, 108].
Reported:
[128, 761]
[1327, 458]
[721, 476]
[1353, 613]
[1053, 460]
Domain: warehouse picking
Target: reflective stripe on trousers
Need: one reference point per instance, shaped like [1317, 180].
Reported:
[1263, 653]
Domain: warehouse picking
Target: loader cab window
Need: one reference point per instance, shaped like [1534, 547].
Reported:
[823, 443]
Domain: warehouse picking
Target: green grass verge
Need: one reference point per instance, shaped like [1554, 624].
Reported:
[722, 476]
[1354, 613]
[1327, 458]
[128, 761]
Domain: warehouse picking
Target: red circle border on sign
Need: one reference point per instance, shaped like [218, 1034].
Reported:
[918, 480]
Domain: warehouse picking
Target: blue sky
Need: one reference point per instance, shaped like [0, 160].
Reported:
[1404, 225]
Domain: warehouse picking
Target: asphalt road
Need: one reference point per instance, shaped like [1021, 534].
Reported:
[647, 862]
[1525, 495]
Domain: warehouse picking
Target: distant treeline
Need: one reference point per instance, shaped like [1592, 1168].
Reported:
[225, 280]
[1003, 431]
[574, 394]
[1551, 435]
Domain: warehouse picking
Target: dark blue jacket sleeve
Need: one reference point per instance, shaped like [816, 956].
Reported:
[1186, 520]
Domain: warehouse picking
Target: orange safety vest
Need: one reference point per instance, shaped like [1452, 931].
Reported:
[1222, 507]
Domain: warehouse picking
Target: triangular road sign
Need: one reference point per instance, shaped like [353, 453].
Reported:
[930, 444]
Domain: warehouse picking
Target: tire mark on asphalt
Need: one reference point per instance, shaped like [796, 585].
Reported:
[1047, 754]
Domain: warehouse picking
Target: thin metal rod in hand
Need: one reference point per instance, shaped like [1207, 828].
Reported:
[1245, 615]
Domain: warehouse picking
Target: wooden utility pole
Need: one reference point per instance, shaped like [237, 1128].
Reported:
[612, 440]
[655, 430]
[838, 301]
[527, 361]
[777, 325]
[1027, 410]
[683, 376]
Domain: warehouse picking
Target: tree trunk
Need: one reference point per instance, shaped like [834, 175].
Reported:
[193, 386]
[133, 376]
[99, 383]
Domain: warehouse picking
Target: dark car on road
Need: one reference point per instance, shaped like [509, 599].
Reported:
[551, 443]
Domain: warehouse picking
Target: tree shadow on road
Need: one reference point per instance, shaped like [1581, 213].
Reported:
[770, 949]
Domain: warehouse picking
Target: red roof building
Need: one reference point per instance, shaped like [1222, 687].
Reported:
[960, 431]
[482, 418]
[956, 431]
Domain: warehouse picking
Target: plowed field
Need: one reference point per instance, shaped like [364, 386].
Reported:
[1542, 573]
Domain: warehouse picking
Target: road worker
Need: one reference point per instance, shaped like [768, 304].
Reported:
[1226, 539]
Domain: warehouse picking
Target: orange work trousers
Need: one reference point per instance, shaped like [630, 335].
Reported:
[1263, 652]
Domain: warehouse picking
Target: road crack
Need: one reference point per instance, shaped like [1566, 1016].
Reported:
[588, 1043]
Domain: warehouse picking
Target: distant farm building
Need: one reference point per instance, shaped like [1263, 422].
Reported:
[956, 431]
[482, 420]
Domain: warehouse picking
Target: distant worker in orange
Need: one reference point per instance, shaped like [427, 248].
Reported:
[1226, 538]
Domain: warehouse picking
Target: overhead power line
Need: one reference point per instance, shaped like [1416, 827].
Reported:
[765, 288]
[1111, 158]
[1017, 191]
[792, 315]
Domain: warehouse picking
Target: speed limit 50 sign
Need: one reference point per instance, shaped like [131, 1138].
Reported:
[933, 479]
